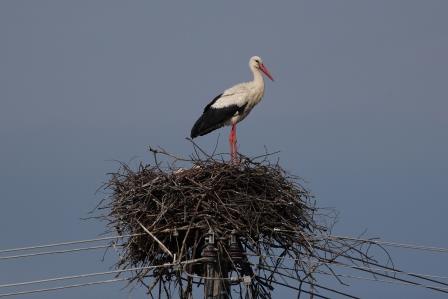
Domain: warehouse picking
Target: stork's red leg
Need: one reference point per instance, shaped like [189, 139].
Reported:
[231, 140]
[235, 148]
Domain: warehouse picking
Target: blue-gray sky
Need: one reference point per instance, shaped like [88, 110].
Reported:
[359, 109]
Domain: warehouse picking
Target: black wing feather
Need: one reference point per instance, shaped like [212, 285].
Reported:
[214, 118]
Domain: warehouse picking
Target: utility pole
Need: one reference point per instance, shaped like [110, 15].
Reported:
[237, 255]
[215, 286]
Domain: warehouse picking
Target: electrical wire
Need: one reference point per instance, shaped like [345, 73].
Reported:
[394, 281]
[365, 268]
[68, 243]
[2, 258]
[356, 267]
[295, 288]
[379, 280]
[84, 276]
[386, 270]
[61, 278]
[370, 270]
[62, 287]
[336, 237]
[78, 276]
[380, 242]
[395, 244]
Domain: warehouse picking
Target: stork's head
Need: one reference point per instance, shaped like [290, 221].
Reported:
[256, 62]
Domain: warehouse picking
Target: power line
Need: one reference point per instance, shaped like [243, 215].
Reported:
[395, 244]
[85, 241]
[68, 243]
[380, 242]
[377, 279]
[371, 270]
[382, 280]
[336, 263]
[275, 270]
[376, 264]
[356, 267]
[78, 276]
[187, 262]
[52, 252]
[105, 246]
[234, 279]
[61, 278]
[295, 288]
[393, 281]
[386, 270]
[62, 287]
[365, 268]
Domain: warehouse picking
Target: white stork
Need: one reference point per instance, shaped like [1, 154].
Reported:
[233, 105]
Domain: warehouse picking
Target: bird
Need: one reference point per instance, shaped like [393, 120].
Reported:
[233, 105]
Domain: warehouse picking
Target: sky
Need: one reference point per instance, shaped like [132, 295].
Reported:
[359, 109]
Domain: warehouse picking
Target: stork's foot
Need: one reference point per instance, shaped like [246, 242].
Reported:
[235, 159]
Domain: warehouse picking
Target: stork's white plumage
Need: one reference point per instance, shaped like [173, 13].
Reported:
[233, 105]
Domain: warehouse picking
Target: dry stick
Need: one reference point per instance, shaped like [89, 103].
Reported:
[188, 230]
[195, 245]
[157, 240]
[198, 147]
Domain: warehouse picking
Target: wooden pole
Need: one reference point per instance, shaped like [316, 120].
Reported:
[215, 287]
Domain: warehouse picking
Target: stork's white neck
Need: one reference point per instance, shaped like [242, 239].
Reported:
[258, 76]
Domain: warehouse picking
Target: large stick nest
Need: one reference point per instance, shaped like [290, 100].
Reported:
[254, 210]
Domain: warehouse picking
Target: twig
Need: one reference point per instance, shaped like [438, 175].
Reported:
[157, 240]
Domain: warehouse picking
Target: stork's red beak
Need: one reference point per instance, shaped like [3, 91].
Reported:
[266, 71]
